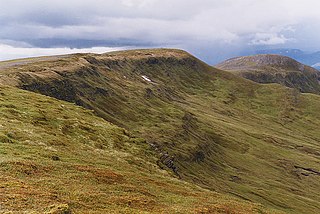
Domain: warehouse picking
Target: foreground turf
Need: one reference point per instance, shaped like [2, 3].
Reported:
[56, 157]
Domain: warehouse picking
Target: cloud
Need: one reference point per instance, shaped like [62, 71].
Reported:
[268, 39]
[11, 52]
[88, 23]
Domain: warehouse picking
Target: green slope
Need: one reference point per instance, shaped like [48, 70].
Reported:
[60, 158]
[258, 142]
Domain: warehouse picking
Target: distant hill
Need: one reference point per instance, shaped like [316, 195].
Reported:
[310, 59]
[267, 68]
[258, 143]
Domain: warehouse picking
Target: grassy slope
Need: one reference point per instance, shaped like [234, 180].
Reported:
[57, 156]
[228, 134]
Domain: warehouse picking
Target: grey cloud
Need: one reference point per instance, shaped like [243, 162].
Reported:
[191, 24]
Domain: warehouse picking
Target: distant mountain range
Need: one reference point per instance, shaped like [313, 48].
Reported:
[312, 59]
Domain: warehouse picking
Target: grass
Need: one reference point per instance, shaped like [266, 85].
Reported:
[55, 156]
[228, 134]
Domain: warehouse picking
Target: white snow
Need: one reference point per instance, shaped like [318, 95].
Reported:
[146, 78]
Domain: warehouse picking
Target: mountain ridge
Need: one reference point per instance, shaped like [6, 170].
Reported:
[266, 68]
[227, 133]
[308, 58]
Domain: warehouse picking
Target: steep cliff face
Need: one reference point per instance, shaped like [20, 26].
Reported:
[275, 69]
[226, 133]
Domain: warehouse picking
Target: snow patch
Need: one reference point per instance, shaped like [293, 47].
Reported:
[146, 78]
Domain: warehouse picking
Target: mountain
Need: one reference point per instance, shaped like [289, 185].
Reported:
[256, 142]
[59, 158]
[307, 58]
[268, 68]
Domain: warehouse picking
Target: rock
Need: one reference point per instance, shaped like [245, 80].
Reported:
[149, 93]
[55, 158]
[59, 209]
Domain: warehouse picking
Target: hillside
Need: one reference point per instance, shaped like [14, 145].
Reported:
[256, 142]
[275, 69]
[59, 158]
[305, 57]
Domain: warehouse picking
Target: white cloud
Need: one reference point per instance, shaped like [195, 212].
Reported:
[316, 65]
[11, 52]
[268, 39]
[136, 3]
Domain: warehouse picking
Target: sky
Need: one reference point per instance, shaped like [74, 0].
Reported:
[212, 30]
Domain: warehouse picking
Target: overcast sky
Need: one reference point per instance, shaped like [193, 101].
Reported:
[210, 29]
